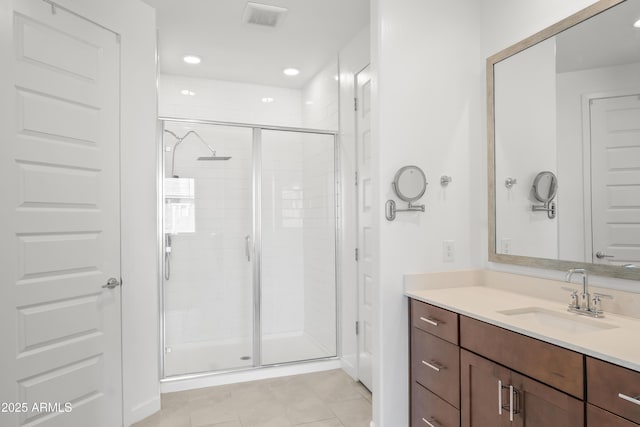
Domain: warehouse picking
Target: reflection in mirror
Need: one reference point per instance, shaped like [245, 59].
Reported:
[568, 99]
[544, 190]
[545, 186]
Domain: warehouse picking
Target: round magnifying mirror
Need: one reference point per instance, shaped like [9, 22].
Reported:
[545, 186]
[410, 183]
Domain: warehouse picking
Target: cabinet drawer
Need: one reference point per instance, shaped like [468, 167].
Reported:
[550, 364]
[429, 410]
[436, 365]
[437, 321]
[597, 417]
[608, 384]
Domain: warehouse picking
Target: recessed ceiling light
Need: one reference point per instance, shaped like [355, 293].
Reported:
[267, 100]
[291, 71]
[187, 92]
[637, 24]
[192, 59]
[309, 102]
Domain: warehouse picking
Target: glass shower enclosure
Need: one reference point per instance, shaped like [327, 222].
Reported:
[248, 246]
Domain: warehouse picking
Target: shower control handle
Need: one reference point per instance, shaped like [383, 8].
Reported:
[247, 247]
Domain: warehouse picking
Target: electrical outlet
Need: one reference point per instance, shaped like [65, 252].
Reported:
[505, 246]
[448, 251]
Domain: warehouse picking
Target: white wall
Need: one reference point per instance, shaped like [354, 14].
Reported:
[135, 21]
[320, 100]
[525, 145]
[228, 101]
[427, 95]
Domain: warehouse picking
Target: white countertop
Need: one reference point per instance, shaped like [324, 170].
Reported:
[619, 344]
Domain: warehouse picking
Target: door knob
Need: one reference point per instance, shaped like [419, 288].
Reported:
[601, 255]
[112, 283]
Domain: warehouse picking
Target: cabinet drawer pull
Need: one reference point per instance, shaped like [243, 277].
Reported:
[431, 422]
[433, 365]
[510, 403]
[431, 321]
[634, 400]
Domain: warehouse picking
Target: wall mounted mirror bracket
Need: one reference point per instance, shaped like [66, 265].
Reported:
[409, 184]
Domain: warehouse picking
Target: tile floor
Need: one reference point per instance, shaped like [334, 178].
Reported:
[319, 399]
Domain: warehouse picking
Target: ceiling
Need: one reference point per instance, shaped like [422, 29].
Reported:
[310, 35]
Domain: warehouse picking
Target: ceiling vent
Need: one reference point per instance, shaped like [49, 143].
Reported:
[264, 14]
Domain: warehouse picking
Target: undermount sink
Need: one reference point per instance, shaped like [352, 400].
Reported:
[566, 322]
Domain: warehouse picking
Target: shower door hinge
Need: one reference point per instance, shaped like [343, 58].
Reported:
[355, 104]
[357, 328]
[357, 254]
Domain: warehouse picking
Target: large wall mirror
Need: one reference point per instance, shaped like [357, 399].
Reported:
[567, 101]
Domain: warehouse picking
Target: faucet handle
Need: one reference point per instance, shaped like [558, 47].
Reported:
[573, 302]
[597, 303]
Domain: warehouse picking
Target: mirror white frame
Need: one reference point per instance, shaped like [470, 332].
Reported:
[545, 263]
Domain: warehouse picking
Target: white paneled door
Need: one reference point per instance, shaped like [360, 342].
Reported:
[365, 224]
[60, 357]
[615, 179]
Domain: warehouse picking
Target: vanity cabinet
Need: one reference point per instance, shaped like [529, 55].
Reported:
[493, 395]
[435, 367]
[597, 417]
[614, 389]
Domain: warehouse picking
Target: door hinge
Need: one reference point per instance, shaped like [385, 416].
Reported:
[357, 328]
[355, 104]
[356, 178]
[357, 254]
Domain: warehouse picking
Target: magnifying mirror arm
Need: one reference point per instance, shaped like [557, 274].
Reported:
[390, 209]
[549, 208]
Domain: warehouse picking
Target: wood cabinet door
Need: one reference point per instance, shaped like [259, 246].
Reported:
[483, 396]
[538, 405]
[597, 417]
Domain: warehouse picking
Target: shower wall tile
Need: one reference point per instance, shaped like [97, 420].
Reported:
[228, 101]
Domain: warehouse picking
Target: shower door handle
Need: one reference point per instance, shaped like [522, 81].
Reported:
[247, 247]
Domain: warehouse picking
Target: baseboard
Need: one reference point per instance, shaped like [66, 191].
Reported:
[142, 411]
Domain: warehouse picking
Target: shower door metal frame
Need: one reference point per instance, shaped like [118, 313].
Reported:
[256, 243]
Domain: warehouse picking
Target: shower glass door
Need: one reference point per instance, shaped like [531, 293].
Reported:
[298, 246]
[208, 231]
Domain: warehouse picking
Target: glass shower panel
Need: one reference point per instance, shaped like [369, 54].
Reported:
[298, 279]
[208, 293]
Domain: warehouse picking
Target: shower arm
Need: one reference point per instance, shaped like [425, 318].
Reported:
[179, 141]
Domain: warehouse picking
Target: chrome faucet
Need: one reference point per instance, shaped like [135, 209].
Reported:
[583, 304]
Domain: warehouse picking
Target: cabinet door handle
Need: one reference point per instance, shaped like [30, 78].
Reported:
[634, 400]
[431, 321]
[434, 365]
[431, 422]
[499, 397]
[511, 394]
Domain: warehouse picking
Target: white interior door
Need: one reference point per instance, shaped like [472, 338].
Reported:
[615, 179]
[60, 357]
[365, 224]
